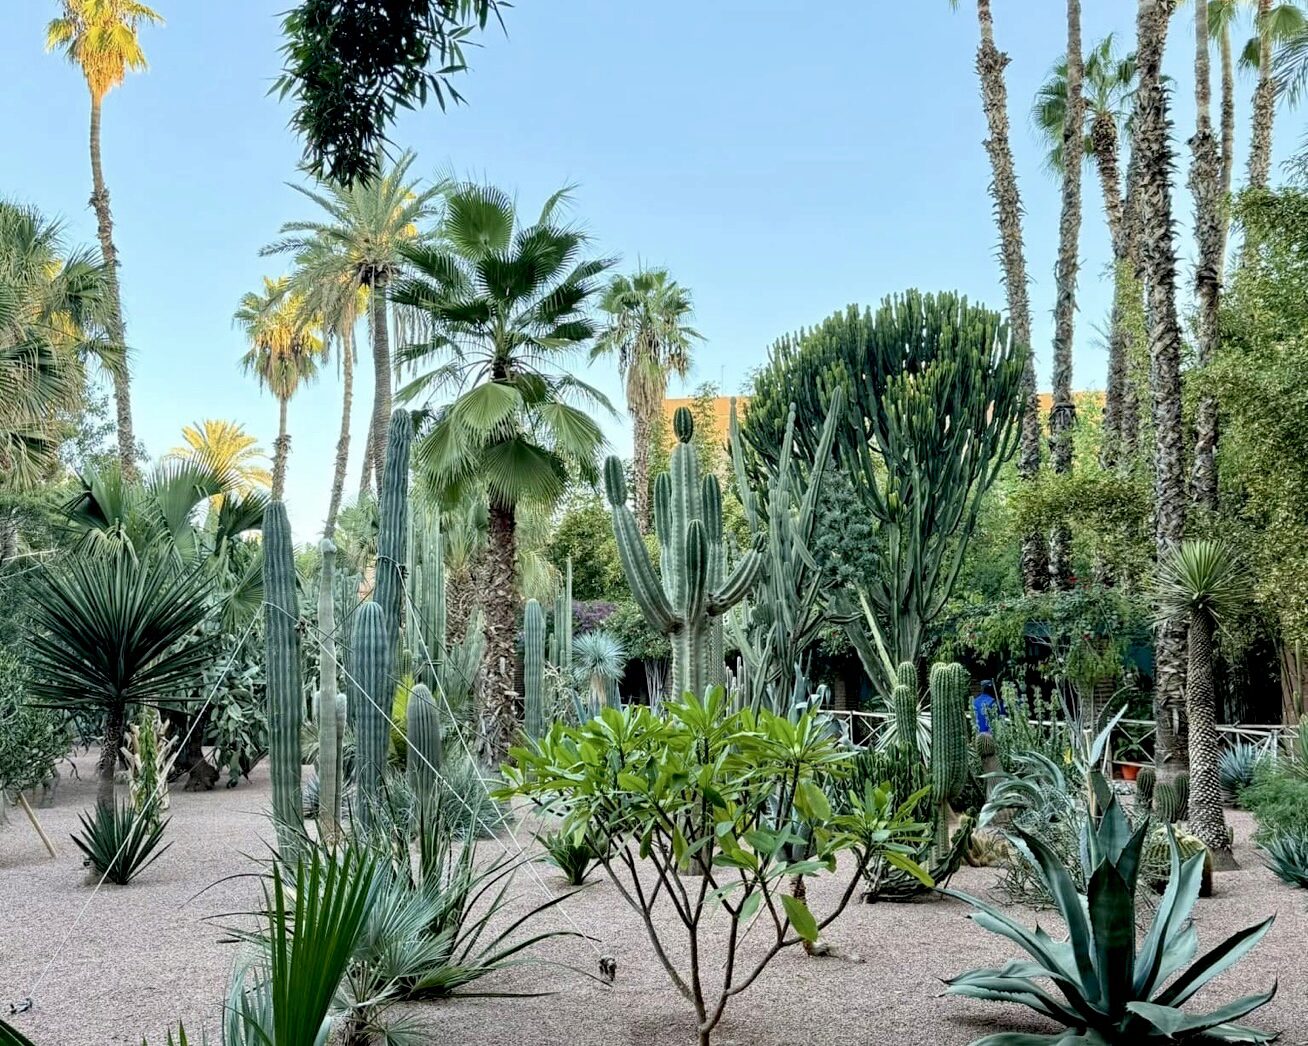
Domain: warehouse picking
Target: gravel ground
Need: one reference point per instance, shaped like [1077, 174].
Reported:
[144, 955]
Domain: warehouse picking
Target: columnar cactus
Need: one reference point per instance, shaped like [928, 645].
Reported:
[427, 636]
[904, 705]
[906, 675]
[691, 596]
[560, 640]
[393, 526]
[370, 694]
[329, 737]
[1167, 806]
[423, 733]
[1144, 789]
[949, 686]
[533, 669]
[285, 693]
[987, 753]
[1182, 797]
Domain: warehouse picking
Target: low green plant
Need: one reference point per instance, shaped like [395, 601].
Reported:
[1278, 799]
[121, 842]
[1287, 856]
[574, 857]
[1235, 769]
[32, 740]
[1114, 990]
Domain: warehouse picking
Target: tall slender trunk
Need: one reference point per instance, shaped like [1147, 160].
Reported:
[642, 434]
[1205, 184]
[1158, 250]
[1264, 102]
[342, 441]
[499, 703]
[1206, 819]
[117, 328]
[114, 719]
[1062, 416]
[281, 450]
[1228, 129]
[1122, 404]
[990, 65]
[379, 320]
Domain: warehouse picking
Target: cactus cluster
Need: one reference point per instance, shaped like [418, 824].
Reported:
[949, 744]
[285, 693]
[686, 598]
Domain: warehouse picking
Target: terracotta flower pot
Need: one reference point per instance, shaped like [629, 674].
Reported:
[1129, 771]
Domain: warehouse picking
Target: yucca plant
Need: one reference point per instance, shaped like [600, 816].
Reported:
[599, 660]
[1113, 988]
[121, 842]
[575, 858]
[1287, 856]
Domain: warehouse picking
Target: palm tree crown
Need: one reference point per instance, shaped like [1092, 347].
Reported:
[100, 37]
[1108, 85]
[230, 450]
[284, 344]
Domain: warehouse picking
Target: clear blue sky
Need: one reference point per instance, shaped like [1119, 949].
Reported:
[780, 164]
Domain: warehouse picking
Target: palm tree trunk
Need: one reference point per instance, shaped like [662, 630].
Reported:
[990, 65]
[1264, 102]
[642, 434]
[1205, 184]
[499, 701]
[281, 450]
[115, 715]
[1228, 127]
[1158, 250]
[117, 329]
[1063, 413]
[1206, 818]
[342, 441]
[1122, 403]
[381, 394]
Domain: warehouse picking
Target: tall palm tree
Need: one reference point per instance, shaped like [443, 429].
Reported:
[503, 306]
[647, 330]
[284, 352]
[1151, 149]
[990, 65]
[358, 243]
[230, 451]
[1198, 580]
[100, 37]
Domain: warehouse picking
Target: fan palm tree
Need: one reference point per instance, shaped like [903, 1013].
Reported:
[648, 331]
[990, 65]
[503, 304]
[284, 352]
[1199, 581]
[101, 38]
[230, 450]
[358, 243]
[112, 630]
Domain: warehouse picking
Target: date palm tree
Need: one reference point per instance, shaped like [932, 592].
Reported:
[285, 351]
[990, 65]
[1198, 581]
[503, 305]
[101, 38]
[647, 315]
[231, 451]
[358, 243]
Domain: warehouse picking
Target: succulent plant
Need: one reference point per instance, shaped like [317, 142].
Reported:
[1287, 856]
[903, 703]
[285, 693]
[1167, 805]
[1183, 797]
[422, 733]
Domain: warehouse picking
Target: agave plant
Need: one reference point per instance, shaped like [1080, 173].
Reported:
[1287, 857]
[1113, 990]
[575, 858]
[121, 842]
[1235, 769]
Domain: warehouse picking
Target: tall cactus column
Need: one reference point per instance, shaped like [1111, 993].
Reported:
[533, 669]
[285, 694]
[426, 748]
[949, 686]
[393, 525]
[370, 696]
[329, 738]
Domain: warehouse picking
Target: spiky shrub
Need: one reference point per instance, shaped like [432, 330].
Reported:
[1145, 783]
[533, 668]
[1113, 989]
[949, 737]
[426, 753]
[1235, 769]
[574, 857]
[370, 697]
[599, 661]
[285, 692]
[686, 597]
[148, 754]
[1287, 857]
[122, 841]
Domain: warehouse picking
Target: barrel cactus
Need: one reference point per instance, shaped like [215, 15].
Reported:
[330, 739]
[533, 669]
[1167, 806]
[1144, 789]
[949, 737]
[423, 734]
[370, 694]
[285, 694]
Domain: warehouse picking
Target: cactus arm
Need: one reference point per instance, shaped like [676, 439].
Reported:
[329, 740]
[738, 584]
[285, 694]
[645, 586]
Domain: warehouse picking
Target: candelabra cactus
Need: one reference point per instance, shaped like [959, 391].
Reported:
[689, 599]
[284, 690]
[533, 669]
[949, 685]
[330, 738]
[370, 694]
[423, 732]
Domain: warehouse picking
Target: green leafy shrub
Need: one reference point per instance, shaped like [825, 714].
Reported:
[1278, 799]
[1287, 857]
[32, 740]
[121, 842]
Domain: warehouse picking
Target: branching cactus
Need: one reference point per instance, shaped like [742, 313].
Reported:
[330, 738]
[949, 763]
[688, 600]
[370, 693]
[533, 669]
[426, 753]
[285, 693]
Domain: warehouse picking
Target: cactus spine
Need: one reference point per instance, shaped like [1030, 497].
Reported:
[370, 694]
[329, 737]
[284, 691]
[533, 669]
[687, 600]
[949, 685]
[423, 733]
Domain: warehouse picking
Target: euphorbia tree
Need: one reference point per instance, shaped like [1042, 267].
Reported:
[697, 809]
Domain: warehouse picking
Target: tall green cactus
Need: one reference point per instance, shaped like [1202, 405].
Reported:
[691, 596]
[949, 743]
[329, 739]
[560, 639]
[906, 675]
[533, 669]
[393, 525]
[370, 694]
[426, 753]
[426, 632]
[904, 705]
[285, 694]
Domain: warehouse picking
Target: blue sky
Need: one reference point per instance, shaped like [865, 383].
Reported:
[782, 166]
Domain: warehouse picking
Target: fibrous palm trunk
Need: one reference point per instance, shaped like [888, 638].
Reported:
[1205, 184]
[378, 321]
[1264, 103]
[1158, 250]
[114, 719]
[1104, 145]
[281, 451]
[343, 440]
[642, 434]
[1063, 413]
[1206, 818]
[117, 328]
[990, 65]
[499, 698]
[1228, 126]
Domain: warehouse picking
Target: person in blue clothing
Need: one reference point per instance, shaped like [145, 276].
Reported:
[985, 705]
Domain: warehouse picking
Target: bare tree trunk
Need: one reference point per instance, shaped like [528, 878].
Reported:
[990, 65]
[115, 715]
[500, 612]
[1264, 102]
[281, 450]
[1158, 249]
[1205, 184]
[1206, 818]
[642, 434]
[1063, 413]
[1294, 682]
[117, 328]
[381, 395]
[343, 441]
